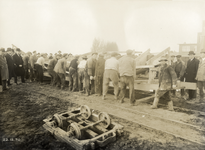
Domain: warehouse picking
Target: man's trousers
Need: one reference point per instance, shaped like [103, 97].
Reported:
[81, 79]
[39, 70]
[110, 75]
[124, 82]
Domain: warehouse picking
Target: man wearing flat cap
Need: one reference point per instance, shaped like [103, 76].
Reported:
[179, 68]
[200, 77]
[60, 69]
[4, 72]
[167, 81]
[90, 74]
[32, 60]
[172, 60]
[51, 65]
[73, 74]
[40, 65]
[127, 70]
[81, 68]
[10, 63]
[190, 73]
[99, 71]
[18, 63]
[111, 74]
[26, 64]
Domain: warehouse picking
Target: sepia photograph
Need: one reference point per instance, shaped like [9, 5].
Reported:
[102, 74]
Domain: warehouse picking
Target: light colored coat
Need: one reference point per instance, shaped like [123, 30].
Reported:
[61, 66]
[4, 68]
[201, 71]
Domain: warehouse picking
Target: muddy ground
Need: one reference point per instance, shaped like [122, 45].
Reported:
[21, 119]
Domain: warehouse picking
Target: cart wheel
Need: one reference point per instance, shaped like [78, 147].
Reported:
[58, 120]
[74, 130]
[85, 111]
[104, 117]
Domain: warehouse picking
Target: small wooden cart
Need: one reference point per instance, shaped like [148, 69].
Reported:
[83, 129]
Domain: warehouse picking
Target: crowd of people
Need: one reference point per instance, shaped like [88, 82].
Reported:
[93, 75]
[169, 75]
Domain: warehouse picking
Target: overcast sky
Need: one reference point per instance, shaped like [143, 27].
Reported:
[71, 25]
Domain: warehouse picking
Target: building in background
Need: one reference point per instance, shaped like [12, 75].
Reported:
[201, 38]
[185, 48]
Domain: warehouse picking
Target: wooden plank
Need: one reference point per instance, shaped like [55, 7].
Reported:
[189, 85]
[144, 100]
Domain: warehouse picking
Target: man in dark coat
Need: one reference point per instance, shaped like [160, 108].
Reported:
[73, 74]
[167, 81]
[99, 71]
[4, 72]
[89, 74]
[191, 72]
[18, 63]
[51, 65]
[10, 63]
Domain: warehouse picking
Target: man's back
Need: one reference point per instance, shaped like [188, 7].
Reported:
[126, 66]
[60, 66]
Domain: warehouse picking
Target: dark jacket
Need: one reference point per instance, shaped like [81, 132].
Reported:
[167, 77]
[10, 63]
[19, 70]
[4, 68]
[90, 66]
[74, 64]
[179, 68]
[100, 66]
[52, 63]
[191, 70]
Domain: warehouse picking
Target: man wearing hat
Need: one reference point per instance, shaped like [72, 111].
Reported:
[190, 73]
[99, 71]
[81, 68]
[18, 65]
[89, 74]
[127, 70]
[32, 60]
[26, 64]
[60, 69]
[200, 77]
[40, 65]
[52, 63]
[73, 72]
[179, 68]
[4, 72]
[111, 74]
[172, 60]
[10, 63]
[167, 81]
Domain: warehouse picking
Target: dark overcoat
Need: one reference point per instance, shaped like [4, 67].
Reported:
[99, 71]
[4, 68]
[191, 70]
[10, 63]
[19, 70]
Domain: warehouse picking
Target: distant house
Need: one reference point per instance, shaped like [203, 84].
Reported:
[186, 47]
[201, 38]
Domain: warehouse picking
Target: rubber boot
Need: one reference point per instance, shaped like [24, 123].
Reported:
[155, 103]
[170, 106]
